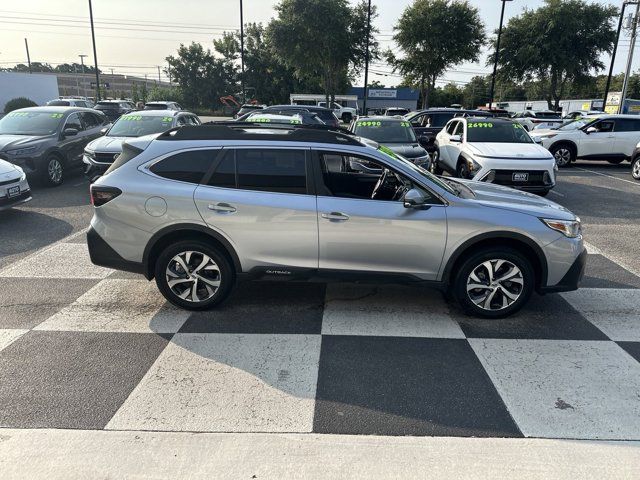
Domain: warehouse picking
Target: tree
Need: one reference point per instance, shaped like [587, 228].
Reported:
[74, 68]
[375, 84]
[435, 35]
[322, 40]
[35, 67]
[557, 44]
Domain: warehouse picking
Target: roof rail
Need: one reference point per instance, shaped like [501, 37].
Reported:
[227, 130]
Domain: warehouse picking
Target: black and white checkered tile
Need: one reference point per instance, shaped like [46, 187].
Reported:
[85, 347]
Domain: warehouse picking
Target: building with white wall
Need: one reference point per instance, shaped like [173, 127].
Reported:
[38, 87]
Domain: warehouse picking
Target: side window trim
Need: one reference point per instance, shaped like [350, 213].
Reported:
[66, 121]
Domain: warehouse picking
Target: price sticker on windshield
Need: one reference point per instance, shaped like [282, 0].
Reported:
[56, 115]
[479, 125]
[368, 123]
[132, 118]
[405, 124]
[167, 119]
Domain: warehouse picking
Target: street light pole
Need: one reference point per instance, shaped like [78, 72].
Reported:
[625, 85]
[495, 63]
[26, 45]
[366, 61]
[95, 55]
[244, 99]
[613, 56]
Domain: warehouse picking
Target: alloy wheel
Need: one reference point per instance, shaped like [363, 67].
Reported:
[562, 156]
[193, 276]
[54, 170]
[495, 284]
[635, 169]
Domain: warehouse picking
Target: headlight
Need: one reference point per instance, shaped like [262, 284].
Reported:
[23, 176]
[22, 151]
[569, 228]
[90, 153]
[473, 165]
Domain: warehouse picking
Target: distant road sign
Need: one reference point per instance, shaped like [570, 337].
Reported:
[104, 85]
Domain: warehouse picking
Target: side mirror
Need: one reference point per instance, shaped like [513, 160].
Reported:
[69, 132]
[414, 198]
[591, 130]
[537, 140]
[104, 130]
[456, 138]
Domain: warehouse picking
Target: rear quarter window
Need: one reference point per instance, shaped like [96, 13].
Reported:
[190, 166]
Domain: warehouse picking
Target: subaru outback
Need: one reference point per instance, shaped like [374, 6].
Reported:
[200, 207]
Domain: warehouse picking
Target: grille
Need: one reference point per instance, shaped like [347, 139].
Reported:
[536, 178]
[105, 157]
[7, 182]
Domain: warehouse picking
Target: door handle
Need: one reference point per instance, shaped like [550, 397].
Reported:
[221, 207]
[336, 216]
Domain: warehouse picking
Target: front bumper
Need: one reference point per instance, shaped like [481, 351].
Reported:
[572, 278]
[93, 170]
[7, 203]
[103, 255]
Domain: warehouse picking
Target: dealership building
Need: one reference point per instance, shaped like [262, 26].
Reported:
[381, 98]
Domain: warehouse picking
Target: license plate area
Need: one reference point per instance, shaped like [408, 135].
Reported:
[13, 191]
[520, 177]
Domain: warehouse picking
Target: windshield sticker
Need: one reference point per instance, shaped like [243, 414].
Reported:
[517, 125]
[388, 151]
[56, 115]
[18, 114]
[368, 123]
[294, 121]
[479, 125]
[132, 118]
[405, 124]
[260, 120]
[167, 119]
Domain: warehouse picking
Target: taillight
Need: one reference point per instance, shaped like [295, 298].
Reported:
[101, 195]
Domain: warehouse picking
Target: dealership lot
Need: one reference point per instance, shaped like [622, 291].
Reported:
[84, 347]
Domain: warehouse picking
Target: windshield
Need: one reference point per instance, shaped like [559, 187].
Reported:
[551, 115]
[139, 125]
[576, 124]
[30, 123]
[419, 170]
[385, 131]
[497, 132]
[156, 106]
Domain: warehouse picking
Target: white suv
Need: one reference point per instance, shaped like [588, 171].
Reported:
[600, 137]
[494, 150]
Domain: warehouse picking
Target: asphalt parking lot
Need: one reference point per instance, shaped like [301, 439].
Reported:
[83, 347]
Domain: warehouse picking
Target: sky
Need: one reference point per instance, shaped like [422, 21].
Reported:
[133, 37]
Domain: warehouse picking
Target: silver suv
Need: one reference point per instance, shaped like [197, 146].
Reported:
[200, 207]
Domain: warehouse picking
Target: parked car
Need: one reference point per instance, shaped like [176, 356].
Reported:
[494, 150]
[113, 109]
[47, 141]
[395, 133]
[70, 102]
[602, 137]
[162, 105]
[14, 187]
[428, 123]
[324, 114]
[543, 119]
[392, 111]
[346, 114]
[248, 108]
[292, 118]
[635, 163]
[198, 207]
[100, 153]
[577, 114]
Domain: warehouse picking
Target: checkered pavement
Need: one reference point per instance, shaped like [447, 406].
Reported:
[89, 348]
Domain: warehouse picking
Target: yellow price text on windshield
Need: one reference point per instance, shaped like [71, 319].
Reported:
[479, 125]
[369, 124]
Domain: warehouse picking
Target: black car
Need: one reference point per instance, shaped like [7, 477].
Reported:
[428, 123]
[324, 114]
[113, 109]
[46, 141]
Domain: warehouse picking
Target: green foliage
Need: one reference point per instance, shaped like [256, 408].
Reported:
[19, 102]
[74, 68]
[135, 95]
[144, 93]
[172, 94]
[321, 41]
[35, 67]
[435, 35]
[558, 44]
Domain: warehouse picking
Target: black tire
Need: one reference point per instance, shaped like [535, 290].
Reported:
[347, 117]
[635, 168]
[462, 169]
[225, 275]
[434, 167]
[564, 153]
[53, 172]
[474, 263]
[544, 193]
[616, 161]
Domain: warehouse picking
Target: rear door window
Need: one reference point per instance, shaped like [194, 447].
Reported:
[224, 175]
[627, 125]
[272, 170]
[188, 166]
[73, 121]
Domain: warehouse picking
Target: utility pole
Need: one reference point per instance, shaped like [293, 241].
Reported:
[613, 56]
[625, 85]
[495, 62]
[366, 61]
[26, 45]
[75, 71]
[82, 62]
[169, 72]
[244, 99]
[95, 55]
[158, 74]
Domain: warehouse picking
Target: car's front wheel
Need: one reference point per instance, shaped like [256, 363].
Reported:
[54, 171]
[635, 168]
[563, 154]
[494, 283]
[194, 275]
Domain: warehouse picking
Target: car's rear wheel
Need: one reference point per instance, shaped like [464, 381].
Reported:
[53, 173]
[635, 168]
[494, 283]
[433, 164]
[564, 154]
[194, 275]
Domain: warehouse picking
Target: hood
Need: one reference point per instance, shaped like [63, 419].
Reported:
[539, 132]
[107, 144]
[531, 151]
[407, 150]
[10, 142]
[6, 167]
[507, 198]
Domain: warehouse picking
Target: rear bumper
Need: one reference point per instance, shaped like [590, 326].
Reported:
[103, 255]
[572, 278]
